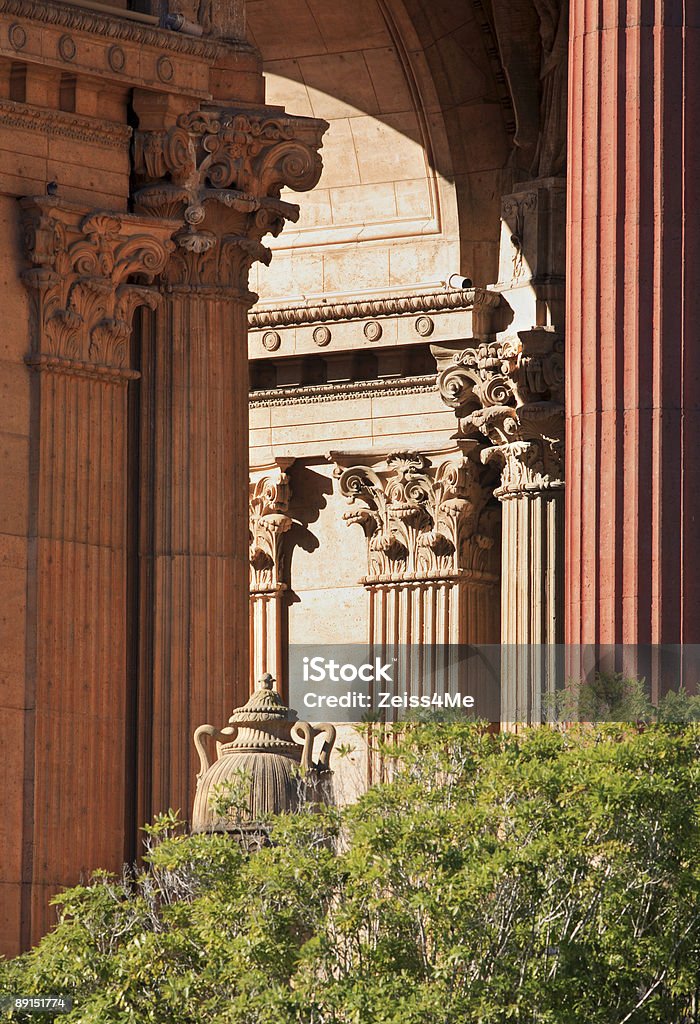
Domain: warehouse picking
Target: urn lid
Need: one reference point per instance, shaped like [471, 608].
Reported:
[265, 705]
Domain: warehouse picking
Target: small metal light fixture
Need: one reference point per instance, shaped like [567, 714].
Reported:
[458, 281]
[178, 23]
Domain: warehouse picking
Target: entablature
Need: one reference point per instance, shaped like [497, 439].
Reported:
[116, 46]
[375, 322]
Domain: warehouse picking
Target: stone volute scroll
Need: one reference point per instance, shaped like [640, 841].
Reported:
[265, 743]
[432, 555]
[220, 171]
[81, 278]
[512, 393]
[420, 519]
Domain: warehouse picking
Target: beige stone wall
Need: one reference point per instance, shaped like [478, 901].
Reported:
[384, 215]
[414, 156]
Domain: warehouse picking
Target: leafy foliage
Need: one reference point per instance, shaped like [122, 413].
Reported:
[546, 877]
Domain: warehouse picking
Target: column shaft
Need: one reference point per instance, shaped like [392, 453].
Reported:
[79, 765]
[197, 565]
[531, 600]
[79, 799]
[633, 362]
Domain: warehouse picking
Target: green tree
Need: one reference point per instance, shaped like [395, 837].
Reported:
[548, 877]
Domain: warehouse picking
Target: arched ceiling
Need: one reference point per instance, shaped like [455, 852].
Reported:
[416, 154]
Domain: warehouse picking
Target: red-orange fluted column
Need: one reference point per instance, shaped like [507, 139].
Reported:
[77, 804]
[633, 351]
[220, 171]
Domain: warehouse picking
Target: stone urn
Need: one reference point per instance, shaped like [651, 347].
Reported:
[265, 744]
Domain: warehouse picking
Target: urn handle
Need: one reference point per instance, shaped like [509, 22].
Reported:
[309, 733]
[221, 736]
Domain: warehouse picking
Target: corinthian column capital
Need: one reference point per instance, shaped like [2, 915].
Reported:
[84, 265]
[511, 392]
[422, 517]
[527, 443]
[220, 171]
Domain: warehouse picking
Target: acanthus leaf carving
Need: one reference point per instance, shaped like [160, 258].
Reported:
[511, 392]
[527, 443]
[84, 300]
[421, 520]
[221, 171]
[268, 507]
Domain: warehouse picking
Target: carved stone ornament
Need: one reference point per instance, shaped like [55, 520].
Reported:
[512, 393]
[421, 520]
[108, 23]
[269, 502]
[394, 305]
[265, 742]
[221, 171]
[513, 211]
[61, 124]
[81, 283]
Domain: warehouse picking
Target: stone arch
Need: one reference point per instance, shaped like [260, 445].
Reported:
[420, 135]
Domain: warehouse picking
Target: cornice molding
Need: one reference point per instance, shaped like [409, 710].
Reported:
[394, 305]
[334, 392]
[65, 125]
[80, 19]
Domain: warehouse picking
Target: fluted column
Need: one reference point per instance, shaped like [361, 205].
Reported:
[269, 522]
[77, 801]
[532, 495]
[432, 561]
[633, 360]
[220, 171]
[510, 392]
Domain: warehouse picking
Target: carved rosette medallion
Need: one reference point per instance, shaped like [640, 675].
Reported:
[116, 58]
[67, 47]
[271, 341]
[512, 393]
[17, 37]
[221, 171]
[373, 330]
[268, 506]
[422, 521]
[80, 278]
[322, 336]
[424, 326]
